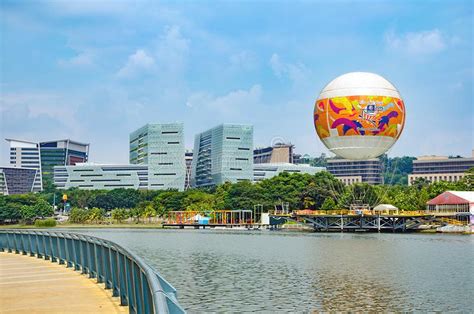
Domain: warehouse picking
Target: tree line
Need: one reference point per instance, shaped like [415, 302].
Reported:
[297, 191]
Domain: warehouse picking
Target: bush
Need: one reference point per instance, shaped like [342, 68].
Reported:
[49, 222]
[78, 215]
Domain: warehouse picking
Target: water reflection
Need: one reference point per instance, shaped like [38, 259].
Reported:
[217, 271]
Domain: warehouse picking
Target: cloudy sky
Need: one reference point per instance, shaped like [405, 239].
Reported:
[95, 71]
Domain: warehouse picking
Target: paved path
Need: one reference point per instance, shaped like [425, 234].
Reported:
[33, 285]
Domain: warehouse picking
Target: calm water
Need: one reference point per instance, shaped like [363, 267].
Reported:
[276, 271]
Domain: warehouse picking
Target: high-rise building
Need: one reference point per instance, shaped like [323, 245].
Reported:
[440, 168]
[278, 153]
[268, 170]
[188, 158]
[16, 180]
[223, 154]
[26, 154]
[61, 152]
[356, 171]
[161, 147]
[43, 156]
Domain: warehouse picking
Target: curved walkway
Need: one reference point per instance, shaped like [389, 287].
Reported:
[33, 285]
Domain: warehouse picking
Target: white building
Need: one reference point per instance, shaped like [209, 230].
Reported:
[269, 170]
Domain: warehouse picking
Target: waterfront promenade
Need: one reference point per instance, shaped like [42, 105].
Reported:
[32, 284]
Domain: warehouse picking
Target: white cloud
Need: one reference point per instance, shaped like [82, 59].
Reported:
[228, 105]
[80, 60]
[172, 51]
[298, 73]
[417, 43]
[138, 63]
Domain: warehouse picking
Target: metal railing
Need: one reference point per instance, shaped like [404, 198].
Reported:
[137, 284]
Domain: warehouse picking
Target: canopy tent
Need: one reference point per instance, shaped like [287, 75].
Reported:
[386, 208]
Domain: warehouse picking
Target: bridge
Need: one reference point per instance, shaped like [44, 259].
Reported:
[86, 275]
[350, 220]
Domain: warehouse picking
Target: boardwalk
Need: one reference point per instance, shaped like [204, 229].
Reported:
[33, 285]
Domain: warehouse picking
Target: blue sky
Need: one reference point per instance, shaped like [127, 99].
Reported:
[95, 71]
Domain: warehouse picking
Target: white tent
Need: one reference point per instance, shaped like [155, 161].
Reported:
[385, 207]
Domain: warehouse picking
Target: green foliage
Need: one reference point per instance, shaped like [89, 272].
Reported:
[396, 169]
[79, 215]
[42, 223]
[96, 215]
[119, 214]
[329, 204]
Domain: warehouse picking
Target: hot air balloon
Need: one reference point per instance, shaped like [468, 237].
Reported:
[359, 115]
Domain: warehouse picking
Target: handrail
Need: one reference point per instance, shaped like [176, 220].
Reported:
[139, 286]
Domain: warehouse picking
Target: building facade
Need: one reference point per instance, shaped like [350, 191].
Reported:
[269, 170]
[61, 152]
[161, 147]
[101, 177]
[356, 171]
[43, 156]
[188, 159]
[16, 180]
[440, 168]
[26, 154]
[278, 153]
[223, 154]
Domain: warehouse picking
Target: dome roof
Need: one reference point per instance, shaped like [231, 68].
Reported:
[359, 83]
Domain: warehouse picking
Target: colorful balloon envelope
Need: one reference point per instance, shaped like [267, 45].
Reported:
[359, 115]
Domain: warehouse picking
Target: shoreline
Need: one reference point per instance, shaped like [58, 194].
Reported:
[159, 226]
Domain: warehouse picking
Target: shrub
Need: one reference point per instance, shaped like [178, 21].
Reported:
[49, 222]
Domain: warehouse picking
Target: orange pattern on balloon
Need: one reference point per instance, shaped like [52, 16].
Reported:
[359, 115]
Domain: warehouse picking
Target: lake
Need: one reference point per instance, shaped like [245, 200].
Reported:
[245, 271]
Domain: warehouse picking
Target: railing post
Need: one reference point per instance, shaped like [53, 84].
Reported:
[122, 275]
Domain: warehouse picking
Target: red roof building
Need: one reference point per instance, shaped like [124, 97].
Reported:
[461, 202]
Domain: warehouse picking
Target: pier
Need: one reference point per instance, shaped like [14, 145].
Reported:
[353, 220]
[85, 275]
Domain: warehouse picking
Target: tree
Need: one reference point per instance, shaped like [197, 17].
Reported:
[96, 215]
[148, 212]
[43, 209]
[119, 214]
[168, 201]
[198, 200]
[329, 204]
[78, 215]
[28, 214]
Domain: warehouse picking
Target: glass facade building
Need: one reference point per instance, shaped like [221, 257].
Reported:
[223, 154]
[62, 152]
[161, 147]
[44, 156]
[356, 171]
[14, 180]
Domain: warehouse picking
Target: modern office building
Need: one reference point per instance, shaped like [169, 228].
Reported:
[161, 147]
[356, 171]
[223, 154]
[269, 170]
[43, 156]
[16, 180]
[26, 154]
[440, 168]
[278, 153]
[188, 159]
[90, 176]
[61, 152]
